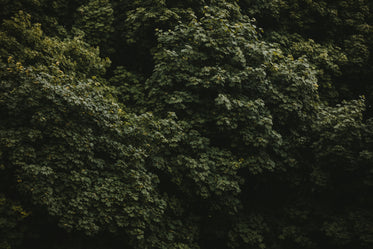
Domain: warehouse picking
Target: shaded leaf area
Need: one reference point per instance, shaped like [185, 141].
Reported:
[69, 150]
[55, 15]
[198, 131]
[341, 30]
[244, 99]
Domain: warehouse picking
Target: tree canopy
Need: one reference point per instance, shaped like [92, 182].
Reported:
[186, 124]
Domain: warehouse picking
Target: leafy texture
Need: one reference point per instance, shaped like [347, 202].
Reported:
[199, 131]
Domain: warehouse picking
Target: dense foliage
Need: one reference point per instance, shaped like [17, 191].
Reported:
[335, 35]
[182, 124]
